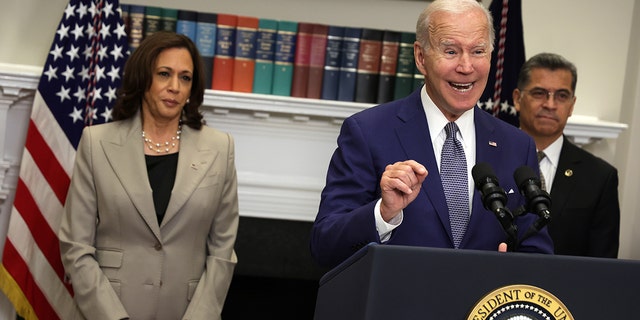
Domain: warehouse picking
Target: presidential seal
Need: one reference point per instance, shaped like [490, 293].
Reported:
[519, 302]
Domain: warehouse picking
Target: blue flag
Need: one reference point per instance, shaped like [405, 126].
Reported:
[506, 60]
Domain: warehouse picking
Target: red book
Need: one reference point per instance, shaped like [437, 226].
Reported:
[301, 60]
[316, 60]
[223, 60]
[245, 58]
[369, 65]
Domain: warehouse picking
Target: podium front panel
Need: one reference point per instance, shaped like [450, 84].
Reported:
[400, 282]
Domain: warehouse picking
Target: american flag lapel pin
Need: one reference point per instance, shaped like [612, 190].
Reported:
[493, 143]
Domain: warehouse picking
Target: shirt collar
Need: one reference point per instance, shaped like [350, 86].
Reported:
[437, 120]
[552, 152]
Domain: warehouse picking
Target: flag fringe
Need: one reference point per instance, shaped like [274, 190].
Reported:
[15, 295]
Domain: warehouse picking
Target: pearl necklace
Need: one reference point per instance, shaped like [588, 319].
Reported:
[163, 147]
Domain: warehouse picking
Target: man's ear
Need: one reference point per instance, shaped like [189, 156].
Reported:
[573, 103]
[418, 54]
[516, 98]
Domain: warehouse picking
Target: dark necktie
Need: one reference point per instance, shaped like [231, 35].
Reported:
[453, 172]
[541, 156]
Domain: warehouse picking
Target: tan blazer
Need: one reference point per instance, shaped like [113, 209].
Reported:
[121, 263]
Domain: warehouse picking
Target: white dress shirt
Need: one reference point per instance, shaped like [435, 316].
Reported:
[437, 121]
[549, 164]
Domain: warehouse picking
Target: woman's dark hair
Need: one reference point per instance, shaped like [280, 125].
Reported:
[138, 73]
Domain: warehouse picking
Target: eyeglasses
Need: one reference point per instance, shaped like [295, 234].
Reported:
[559, 96]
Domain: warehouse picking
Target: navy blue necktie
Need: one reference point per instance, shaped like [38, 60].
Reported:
[453, 172]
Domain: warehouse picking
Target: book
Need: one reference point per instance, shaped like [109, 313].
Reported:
[136, 26]
[245, 54]
[265, 55]
[222, 78]
[126, 19]
[301, 60]
[285, 51]
[317, 54]
[332, 59]
[206, 42]
[186, 23]
[405, 66]
[418, 79]
[349, 64]
[168, 19]
[368, 74]
[388, 65]
[152, 16]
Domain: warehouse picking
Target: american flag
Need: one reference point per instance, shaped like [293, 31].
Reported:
[77, 88]
[506, 60]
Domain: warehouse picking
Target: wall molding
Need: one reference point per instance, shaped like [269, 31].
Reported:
[283, 144]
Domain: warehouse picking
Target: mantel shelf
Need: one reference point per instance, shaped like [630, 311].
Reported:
[16, 79]
[581, 129]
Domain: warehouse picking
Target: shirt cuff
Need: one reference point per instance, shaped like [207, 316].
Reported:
[384, 228]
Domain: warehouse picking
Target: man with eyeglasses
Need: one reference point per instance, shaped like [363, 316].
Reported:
[584, 188]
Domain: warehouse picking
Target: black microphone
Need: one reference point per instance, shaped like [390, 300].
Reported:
[494, 198]
[537, 200]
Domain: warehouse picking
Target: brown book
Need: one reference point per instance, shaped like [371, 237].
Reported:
[388, 65]
[301, 60]
[368, 74]
[316, 60]
[136, 26]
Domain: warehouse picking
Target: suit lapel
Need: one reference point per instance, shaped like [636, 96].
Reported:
[563, 183]
[125, 153]
[413, 134]
[487, 143]
[194, 161]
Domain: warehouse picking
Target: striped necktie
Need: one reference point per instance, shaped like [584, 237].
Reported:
[541, 156]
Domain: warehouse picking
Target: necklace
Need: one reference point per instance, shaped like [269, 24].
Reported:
[165, 146]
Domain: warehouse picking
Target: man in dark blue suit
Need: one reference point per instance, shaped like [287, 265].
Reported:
[384, 183]
[585, 212]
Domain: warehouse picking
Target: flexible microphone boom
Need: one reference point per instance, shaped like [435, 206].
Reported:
[538, 201]
[494, 198]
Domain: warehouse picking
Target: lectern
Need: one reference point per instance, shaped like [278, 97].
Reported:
[400, 282]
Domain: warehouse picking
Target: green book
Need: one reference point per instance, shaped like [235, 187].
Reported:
[152, 17]
[418, 79]
[285, 50]
[406, 66]
[169, 19]
[265, 56]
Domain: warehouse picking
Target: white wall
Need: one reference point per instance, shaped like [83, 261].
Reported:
[598, 36]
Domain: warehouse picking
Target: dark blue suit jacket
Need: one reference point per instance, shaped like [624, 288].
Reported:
[398, 131]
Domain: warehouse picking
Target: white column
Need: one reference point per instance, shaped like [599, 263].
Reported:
[17, 88]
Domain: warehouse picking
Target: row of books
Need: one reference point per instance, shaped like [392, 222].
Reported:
[288, 58]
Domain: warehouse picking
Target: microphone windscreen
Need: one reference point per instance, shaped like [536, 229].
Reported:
[524, 173]
[481, 171]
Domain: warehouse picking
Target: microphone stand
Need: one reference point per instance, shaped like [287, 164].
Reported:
[505, 217]
[490, 197]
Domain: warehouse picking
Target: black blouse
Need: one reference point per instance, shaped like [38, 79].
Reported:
[162, 175]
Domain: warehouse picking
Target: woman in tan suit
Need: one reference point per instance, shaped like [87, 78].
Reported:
[151, 216]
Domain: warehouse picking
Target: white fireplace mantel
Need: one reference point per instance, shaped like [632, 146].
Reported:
[283, 144]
